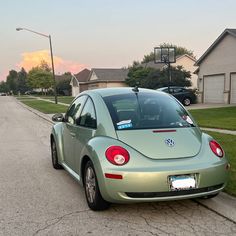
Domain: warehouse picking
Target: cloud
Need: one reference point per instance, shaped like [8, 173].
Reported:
[3, 75]
[32, 59]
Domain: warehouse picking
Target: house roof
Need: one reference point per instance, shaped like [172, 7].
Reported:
[185, 55]
[215, 43]
[62, 77]
[83, 75]
[154, 65]
[161, 65]
[108, 74]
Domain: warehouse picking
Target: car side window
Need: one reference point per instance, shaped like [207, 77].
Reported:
[75, 109]
[88, 116]
[178, 90]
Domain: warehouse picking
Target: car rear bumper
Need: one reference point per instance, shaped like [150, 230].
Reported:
[138, 186]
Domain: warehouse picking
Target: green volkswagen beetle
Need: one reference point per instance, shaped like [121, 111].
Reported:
[129, 145]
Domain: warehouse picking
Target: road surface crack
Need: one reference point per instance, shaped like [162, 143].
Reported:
[57, 220]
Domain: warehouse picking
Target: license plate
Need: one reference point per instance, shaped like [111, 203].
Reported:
[182, 182]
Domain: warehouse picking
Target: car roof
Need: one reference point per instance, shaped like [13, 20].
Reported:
[170, 87]
[105, 92]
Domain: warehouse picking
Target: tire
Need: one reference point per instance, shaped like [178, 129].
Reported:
[92, 192]
[187, 101]
[55, 163]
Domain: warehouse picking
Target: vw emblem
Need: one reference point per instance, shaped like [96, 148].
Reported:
[170, 142]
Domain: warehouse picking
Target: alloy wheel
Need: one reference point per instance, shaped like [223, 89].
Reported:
[90, 184]
[187, 101]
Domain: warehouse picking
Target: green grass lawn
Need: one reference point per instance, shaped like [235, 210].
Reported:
[66, 99]
[222, 118]
[63, 99]
[45, 107]
[228, 143]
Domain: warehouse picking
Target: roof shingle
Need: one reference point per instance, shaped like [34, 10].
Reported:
[107, 74]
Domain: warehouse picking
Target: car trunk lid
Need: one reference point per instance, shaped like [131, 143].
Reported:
[163, 143]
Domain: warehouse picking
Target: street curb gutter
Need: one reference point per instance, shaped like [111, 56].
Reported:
[36, 112]
[224, 204]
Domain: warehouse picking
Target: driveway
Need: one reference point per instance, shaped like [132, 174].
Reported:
[35, 199]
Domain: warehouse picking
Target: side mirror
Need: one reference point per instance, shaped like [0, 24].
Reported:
[58, 117]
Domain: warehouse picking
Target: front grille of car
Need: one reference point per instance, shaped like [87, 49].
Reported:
[173, 193]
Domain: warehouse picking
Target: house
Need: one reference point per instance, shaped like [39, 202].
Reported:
[98, 78]
[186, 61]
[78, 80]
[217, 70]
[107, 78]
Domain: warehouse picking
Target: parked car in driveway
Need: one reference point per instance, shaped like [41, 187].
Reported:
[185, 96]
[129, 145]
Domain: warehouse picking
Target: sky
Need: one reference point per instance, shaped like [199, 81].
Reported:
[105, 33]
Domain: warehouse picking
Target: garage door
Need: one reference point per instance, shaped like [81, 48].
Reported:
[214, 89]
[233, 89]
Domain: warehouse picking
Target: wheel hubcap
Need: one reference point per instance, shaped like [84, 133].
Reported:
[90, 184]
[187, 101]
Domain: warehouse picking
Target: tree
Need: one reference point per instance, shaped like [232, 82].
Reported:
[179, 51]
[12, 81]
[44, 66]
[160, 78]
[4, 87]
[67, 73]
[40, 77]
[63, 87]
[22, 86]
[137, 75]
[154, 78]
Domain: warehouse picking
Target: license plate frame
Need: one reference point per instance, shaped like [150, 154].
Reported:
[182, 182]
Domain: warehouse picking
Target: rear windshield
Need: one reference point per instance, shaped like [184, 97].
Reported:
[146, 111]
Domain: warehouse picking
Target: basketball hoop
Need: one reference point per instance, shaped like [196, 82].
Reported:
[165, 55]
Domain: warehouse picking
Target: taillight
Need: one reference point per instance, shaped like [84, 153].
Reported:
[117, 155]
[216, 148]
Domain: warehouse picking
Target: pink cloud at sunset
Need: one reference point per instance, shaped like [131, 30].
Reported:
[32, 59]
[3, 75]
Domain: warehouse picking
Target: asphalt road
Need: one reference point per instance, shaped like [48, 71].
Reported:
[35, 199]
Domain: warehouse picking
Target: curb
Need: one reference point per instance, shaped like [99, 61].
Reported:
[224, 205]
[36, 112]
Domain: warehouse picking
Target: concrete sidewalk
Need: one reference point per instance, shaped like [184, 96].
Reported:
[223, 131]
[208, 106]
[48, 100]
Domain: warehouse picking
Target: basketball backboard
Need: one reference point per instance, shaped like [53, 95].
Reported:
[164, 55]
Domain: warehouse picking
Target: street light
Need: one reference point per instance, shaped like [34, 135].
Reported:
[50, 43]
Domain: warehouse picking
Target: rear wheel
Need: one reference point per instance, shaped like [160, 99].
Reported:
[92, 192]
[55, 163]
[187, 101]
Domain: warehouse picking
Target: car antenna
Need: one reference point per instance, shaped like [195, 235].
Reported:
[135, 89]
